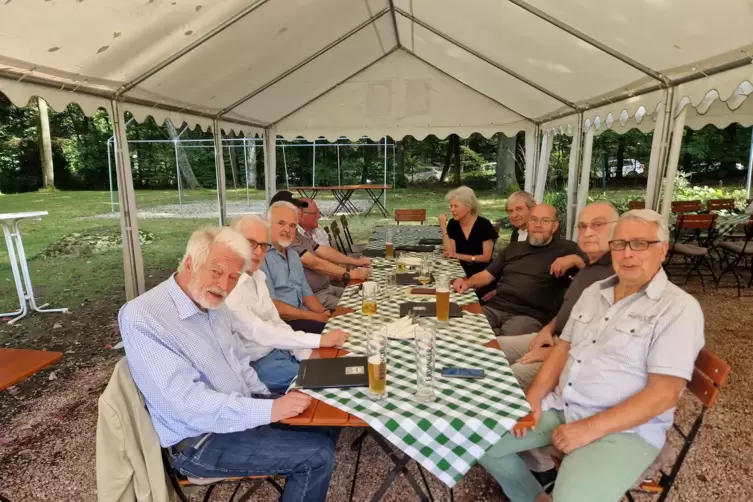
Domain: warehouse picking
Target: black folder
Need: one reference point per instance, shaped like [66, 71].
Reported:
[428, 309]
[338, 372]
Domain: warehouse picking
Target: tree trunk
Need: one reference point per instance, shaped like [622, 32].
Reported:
[447, 159]
[368, 158]
[506, 180]
[251, 160]
[233, 166]
[456, 149]
[520, 159]
[184, 166]
[45, 145]
[620, 156]
[687, 159]
[400, 165]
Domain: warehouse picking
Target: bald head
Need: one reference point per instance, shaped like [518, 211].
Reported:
[542, 224]
[594, 224]
[308, 216]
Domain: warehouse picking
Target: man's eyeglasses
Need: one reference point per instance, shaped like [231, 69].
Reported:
[264, 245]
[594, 225]
[543, 221]
[635, 245]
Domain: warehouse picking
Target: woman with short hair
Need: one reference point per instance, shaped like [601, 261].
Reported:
[468, 236]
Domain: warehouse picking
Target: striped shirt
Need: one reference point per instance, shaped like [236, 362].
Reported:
[190, 366]
[615, 346]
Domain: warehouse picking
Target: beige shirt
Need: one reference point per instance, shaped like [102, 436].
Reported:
[129, 461]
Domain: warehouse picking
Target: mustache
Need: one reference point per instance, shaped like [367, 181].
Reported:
[218, 291]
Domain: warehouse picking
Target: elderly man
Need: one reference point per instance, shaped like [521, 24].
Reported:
[267, 338]
[525, 352]
[528, 294]
[286, 281]
[519, 206]
[208, 406]
[606, 394]
[322, 263]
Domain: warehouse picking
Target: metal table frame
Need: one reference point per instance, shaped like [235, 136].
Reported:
[10, 223]
[343, 194]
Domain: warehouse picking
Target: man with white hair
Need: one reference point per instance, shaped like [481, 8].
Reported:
[606, 394]
[275, 348]
[207, 405]
[286, 281]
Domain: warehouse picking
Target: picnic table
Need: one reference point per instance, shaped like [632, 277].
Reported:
[343, 194]
[17, 364]
[445, 437]
[12, 231]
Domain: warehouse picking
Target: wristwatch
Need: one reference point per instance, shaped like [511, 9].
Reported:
[346, 278]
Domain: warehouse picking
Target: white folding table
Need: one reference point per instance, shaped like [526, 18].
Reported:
[10, 223]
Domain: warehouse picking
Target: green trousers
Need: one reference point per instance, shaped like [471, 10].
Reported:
[599, 472]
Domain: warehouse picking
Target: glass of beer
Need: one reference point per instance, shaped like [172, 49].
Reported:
[369, 298]
[376, 346]
[389, 252]
[424, 271]
[443, 298]
[400, 262]
[390, 283]
[425, 352]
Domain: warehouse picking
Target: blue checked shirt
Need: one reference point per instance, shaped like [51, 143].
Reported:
[286, 280]
[190, 366]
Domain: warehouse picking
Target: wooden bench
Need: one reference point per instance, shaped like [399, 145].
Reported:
[720, 205]
[410, 215]
[636, 204]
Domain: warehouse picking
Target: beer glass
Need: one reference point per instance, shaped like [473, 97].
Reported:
[390, 283]
[443, 298]
[369, 298]
[400, 263]
[425, 352]
[376, 347]
[424, 271]
[388, 249]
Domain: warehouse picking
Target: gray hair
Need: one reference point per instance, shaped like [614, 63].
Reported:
[608, 204]
[283, 204]
[465, 196]
[240, 222]
[203, 240]
[527, 198]
[646, 216]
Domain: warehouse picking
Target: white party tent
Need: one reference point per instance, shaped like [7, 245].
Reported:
[387, 67]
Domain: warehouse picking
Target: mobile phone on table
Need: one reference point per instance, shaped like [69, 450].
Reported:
[463, 373]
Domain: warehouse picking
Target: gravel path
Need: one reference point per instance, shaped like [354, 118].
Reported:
[49, 453]
[209, 209]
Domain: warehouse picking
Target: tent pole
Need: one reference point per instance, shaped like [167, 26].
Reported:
[219, 167]
[245, 165]
[339, 181]
[285, 163]
[585, 172]
[313, 164]
[674, 158]
[385, 171]
[572, 178]
[109, 173]
[133, 263]
[177, 172]
[270, 163]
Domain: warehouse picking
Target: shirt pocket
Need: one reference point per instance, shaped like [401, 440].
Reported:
[579, 324]
[629, 339]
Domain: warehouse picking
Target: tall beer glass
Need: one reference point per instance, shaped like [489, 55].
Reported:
[443, 298]
[376, 346]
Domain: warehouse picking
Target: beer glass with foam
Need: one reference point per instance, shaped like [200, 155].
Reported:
[443, 298]
[376, 348]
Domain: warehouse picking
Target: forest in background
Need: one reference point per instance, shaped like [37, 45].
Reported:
[78, 149]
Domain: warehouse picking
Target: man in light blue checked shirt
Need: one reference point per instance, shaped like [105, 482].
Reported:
[206, 402]
[606, 394]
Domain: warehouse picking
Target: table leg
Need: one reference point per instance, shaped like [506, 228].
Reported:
[351, 205]
[338, 197]
[27, 277]
[377, 202]
[401, 466]
[16, 275]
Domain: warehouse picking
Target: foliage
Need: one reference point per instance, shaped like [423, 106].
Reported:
[470, 160]
[685, 191]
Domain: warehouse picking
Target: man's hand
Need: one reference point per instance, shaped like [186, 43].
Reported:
[520, 431]
[442, 220]
[543, 337]
[289, 405]
[565, 263]
[460, 285]
[359, 274]
[363, 262]
[536, 355]
[570, 437]
[322, 316]
[334, 338]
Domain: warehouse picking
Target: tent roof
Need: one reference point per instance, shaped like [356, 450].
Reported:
[352, 67]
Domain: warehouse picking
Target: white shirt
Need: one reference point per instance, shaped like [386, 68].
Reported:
[522, 235]
[615, 346]
[257, 321]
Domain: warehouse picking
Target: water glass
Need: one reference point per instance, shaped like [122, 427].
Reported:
[425, 352]
[369, 292]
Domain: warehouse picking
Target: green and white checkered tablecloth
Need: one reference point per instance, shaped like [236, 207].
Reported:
[407, 235]
[469, 416]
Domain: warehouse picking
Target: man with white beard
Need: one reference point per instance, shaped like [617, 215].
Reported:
[286, 281]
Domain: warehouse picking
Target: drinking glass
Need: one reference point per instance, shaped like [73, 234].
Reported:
[376, 347]
[425, 352]
[369, 298]
[443, 298]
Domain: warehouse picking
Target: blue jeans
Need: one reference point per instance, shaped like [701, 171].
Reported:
[305, 456]
[277, 369]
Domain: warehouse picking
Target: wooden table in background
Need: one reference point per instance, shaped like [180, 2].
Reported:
[343, 193]
[17, 364]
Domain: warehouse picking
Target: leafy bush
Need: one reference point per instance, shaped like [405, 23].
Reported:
[685, 191]
[470, 160]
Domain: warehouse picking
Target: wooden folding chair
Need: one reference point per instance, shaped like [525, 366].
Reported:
[720, 205]
[181, 483]
[354, 248]
[338, 238]
[686, 206]
[736, 252]
[329, 234]
[696, 254]
[709, 376]
[410, 215]
[636, 204]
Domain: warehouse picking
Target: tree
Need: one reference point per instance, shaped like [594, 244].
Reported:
[400, 165]
[452, 153]
[45, 145]
[506, 180]
[184, 166]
